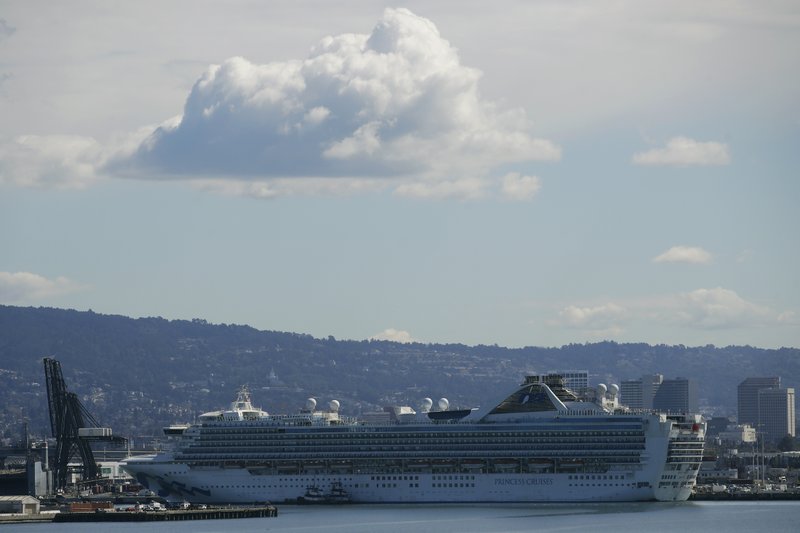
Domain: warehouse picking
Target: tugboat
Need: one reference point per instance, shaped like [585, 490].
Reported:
[337, 494]
[313, 494]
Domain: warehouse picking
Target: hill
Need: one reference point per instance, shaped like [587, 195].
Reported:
[137, 375]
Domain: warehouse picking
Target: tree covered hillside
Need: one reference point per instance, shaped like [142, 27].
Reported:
[137, 375]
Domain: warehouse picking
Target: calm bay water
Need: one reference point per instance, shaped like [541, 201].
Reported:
[635, 517]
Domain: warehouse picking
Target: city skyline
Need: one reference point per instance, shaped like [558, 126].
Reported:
[524, 175]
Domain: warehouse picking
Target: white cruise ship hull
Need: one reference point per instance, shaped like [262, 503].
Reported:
[239, 486]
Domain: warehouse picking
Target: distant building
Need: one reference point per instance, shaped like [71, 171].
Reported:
[654, 392]
[575, 380]
[748, 397]
[677, 395]
[711, 475]
[19, 505]
[639, 393]
[776, 413]
[717, 425]
[40, 479]
[738, 434]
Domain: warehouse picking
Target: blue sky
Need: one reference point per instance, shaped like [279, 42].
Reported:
[530, 173]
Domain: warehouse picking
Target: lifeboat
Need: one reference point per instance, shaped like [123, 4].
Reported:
[538, 465]
[506, 464]
[287, 467]
[473, 464]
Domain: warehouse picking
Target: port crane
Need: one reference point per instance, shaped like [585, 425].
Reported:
[73, 427]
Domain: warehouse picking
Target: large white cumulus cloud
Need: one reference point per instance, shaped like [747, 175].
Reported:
[395, 103]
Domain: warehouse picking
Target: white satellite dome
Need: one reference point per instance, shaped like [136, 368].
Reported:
[426, 405]
[443, 404]
[601, 390]
[613, 389]
[311, 404]
[333, 406]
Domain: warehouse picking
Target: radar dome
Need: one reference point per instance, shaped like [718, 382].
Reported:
[614, 390]
[333, 406]
[426, 405]
[601, 390]
[311, 403]
[443, 404]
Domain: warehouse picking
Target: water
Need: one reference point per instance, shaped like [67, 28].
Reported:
[489, 518]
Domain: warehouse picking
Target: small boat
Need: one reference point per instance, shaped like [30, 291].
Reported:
[337, 494]
[506, 464]
[313, 494]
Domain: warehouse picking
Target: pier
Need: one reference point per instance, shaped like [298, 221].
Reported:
[221, 513]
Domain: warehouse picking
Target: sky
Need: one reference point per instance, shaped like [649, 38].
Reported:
[517, 173]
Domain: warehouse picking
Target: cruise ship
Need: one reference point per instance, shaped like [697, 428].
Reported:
[541, 443]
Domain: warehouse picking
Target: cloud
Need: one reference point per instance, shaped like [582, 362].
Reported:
[63, 161]
[24, 286]
[396, 103]
[6, 30]
[745, 256]
[395, 335]
[266, 189]
[463, 189]
[518, 187]
[684, 254]
[683, 151]
[704, 309]
[717, 309]
[60, 161]
[391, 109]
[601, 321]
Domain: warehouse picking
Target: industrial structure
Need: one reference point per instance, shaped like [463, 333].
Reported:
[73, 427]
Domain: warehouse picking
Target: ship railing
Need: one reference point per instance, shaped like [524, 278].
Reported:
[616, 458]
[578, 448]
[300, 420]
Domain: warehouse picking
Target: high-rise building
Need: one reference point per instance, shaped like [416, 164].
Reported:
[776, 413]
[575, 380]
[639, 393]
[677, 395]
[654, 392]
[748, 397]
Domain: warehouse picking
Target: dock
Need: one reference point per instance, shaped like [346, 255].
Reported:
[221, 513]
